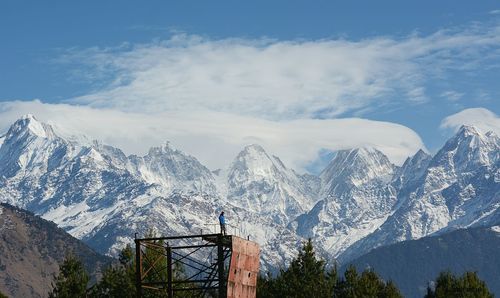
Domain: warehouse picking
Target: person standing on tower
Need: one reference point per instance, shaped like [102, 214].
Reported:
[222, 222]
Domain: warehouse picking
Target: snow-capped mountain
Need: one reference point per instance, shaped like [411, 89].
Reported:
[408, 175]
[460, 187]
[262, 184]
[360, 201]
[104, 197]
[357, 198]
[174, 170]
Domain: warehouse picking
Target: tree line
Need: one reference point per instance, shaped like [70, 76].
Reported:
[306, 276]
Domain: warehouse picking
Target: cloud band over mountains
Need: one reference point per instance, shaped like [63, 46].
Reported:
[211, 97]
[216, 138]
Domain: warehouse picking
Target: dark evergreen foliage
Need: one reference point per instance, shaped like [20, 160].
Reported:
[118, 281]
[72, 280]
[466, 286]
[366, 284]
[307, 277]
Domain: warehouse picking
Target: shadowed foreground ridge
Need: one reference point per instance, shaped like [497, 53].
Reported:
[31, 250]
[412, 264]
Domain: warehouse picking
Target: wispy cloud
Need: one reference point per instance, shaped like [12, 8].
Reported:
[280, 80]
[496, 11]
[417, 95]
[451, 95]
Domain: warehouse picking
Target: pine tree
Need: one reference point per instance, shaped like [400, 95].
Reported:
[266, 286]
[347, 287]
[2, 295]
[366, 284]
[390, 291]
[473, 287]
[465, 286]
[370, 284]
[332, 279]
[118, 281]
[72, 280]
[305, 277]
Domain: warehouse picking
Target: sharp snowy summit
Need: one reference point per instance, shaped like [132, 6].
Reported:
[264, 185]
[360, 201]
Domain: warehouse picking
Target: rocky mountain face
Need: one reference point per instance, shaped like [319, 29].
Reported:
[262, 184]
[31, 250]
[359, 202]
[357, 198]
[100, 195]
[460, 187]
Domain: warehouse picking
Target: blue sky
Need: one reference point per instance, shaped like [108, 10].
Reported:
[270, 66]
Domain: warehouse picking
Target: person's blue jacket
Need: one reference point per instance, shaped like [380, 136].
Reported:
[222, 220]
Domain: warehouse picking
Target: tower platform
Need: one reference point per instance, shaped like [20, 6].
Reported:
[226, 264]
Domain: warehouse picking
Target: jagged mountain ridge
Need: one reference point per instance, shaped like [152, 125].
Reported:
[262, 184]
[102, 196]
[459, 188]
[357, 199]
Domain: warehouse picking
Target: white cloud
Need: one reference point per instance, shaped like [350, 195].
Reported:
[215, 138]
[278, 80]
[417, 95]
[452, 95]
[481, 118]
[211, 97]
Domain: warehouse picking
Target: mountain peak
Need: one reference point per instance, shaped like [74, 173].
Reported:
[253, 156]
[467, 130]
[412, 169]
[167, 146]
[260, 182]
[28, 117]
[366, 151]
[472, 137]
[254, 149]
[421, 152]
[467, 149]
[28, 123]
[361, 163]
[361, 155]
